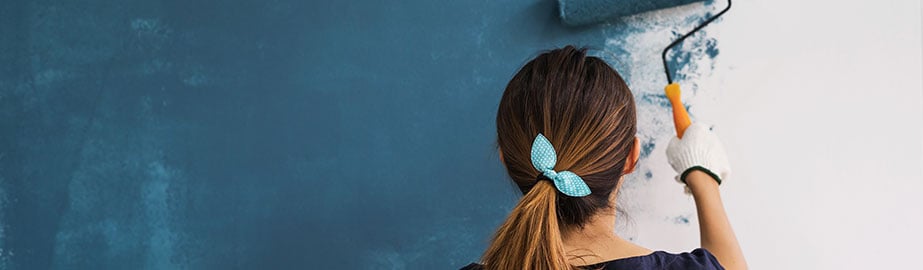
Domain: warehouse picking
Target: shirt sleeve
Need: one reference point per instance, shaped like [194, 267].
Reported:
[698, 258]
[472, 266]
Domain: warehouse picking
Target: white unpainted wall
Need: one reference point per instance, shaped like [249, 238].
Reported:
[820, 106]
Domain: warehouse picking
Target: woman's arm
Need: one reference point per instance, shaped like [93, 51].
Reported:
[714, 228]
[701, 162]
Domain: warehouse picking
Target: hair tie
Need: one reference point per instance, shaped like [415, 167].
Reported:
[544, 158]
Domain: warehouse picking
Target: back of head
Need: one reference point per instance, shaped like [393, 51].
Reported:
[585, 109]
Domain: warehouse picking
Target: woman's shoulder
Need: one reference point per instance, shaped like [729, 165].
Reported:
[698, 258]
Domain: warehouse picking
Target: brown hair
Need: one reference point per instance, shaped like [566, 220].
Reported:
[587, 112]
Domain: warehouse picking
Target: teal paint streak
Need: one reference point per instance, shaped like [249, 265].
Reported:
[659, 100]
[701, 45]
[647, 148]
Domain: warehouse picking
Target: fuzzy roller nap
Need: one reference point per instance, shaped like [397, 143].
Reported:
[584, 12]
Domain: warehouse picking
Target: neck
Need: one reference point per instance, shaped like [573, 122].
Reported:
[600, 228]
[597, 241]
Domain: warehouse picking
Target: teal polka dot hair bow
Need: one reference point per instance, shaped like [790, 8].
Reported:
[544, 159]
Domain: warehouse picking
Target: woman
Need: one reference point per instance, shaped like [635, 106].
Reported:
[566, 134]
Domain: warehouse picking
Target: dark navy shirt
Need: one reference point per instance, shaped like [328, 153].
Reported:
[698, 259]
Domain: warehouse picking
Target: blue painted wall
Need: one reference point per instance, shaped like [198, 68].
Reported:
[271, 134]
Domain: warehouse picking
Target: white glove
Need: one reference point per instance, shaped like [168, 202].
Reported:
[698, 149]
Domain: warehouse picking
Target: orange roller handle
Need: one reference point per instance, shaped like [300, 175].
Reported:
[680, 115]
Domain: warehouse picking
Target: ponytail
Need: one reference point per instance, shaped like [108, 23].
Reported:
[530, 238]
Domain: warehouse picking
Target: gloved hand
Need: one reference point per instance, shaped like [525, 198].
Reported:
[699, 149]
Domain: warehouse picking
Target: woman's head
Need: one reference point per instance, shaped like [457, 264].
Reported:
[585, 109]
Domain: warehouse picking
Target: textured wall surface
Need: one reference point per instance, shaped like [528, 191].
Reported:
[280, 134]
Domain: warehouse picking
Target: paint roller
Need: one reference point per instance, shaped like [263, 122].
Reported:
[584, 12]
